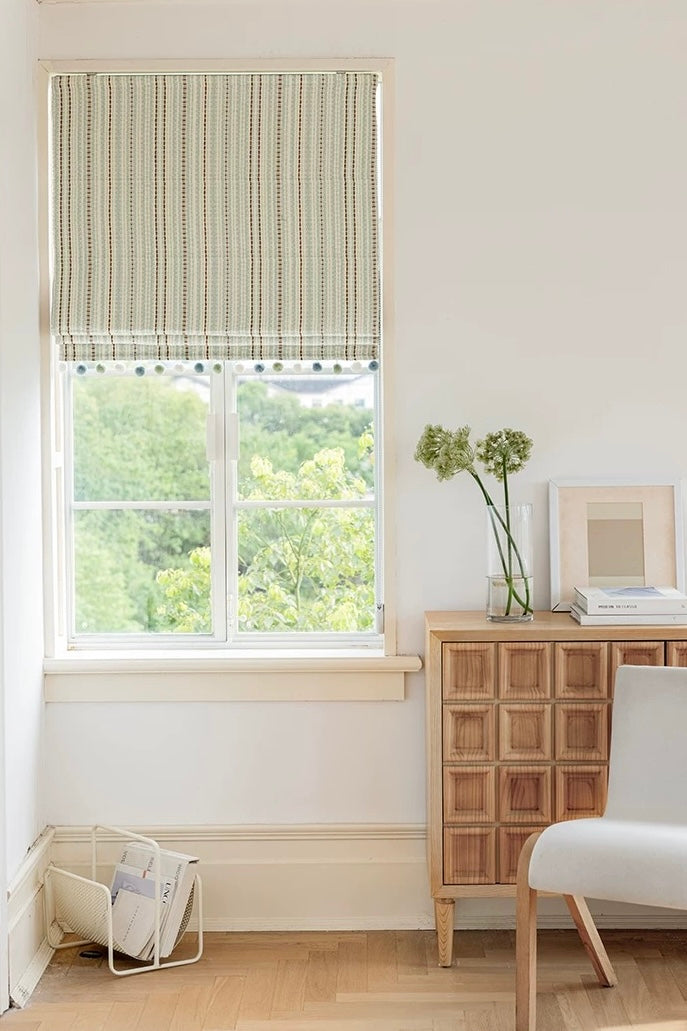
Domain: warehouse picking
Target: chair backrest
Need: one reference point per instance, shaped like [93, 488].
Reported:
[648, 764]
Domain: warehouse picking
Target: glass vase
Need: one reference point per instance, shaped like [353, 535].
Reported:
[509, 563]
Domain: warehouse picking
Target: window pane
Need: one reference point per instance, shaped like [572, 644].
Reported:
[306, 437]
[306, 570]
[140, 438]
[142, 572]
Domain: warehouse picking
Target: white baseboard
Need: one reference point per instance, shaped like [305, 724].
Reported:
[29, 952]
[333, 877]
[638, 918]
[315, 877]
[22, 991]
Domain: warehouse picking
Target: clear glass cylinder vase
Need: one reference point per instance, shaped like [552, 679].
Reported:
[509, 563]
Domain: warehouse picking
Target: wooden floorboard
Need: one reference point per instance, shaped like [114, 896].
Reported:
[375, 981]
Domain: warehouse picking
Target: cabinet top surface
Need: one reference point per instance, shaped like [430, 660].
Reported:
[546, 626]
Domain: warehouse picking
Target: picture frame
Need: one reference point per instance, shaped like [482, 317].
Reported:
[614, 533]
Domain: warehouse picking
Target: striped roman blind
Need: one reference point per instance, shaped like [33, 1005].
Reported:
[215, 216]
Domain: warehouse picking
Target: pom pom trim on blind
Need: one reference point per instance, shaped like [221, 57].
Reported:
[221, 216]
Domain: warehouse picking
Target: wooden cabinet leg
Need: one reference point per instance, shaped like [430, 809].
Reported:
[443, 914]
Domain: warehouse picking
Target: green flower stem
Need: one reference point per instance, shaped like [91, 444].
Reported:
[512, 593]
[508, 573]
[509, 577]
[485, 492]
[513, 547]
[494, 514]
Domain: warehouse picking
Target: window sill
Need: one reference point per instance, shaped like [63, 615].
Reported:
[218, 677]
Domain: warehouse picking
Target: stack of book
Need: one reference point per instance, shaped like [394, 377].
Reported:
[134, 888]
[629, 606]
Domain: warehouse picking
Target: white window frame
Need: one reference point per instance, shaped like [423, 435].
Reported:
[296, 674]
[224, 506]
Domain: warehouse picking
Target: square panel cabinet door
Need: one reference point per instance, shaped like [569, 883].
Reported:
[518, 735]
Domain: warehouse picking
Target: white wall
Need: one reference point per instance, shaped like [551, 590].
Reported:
[540, 263]
[21, 605]
[20, 472]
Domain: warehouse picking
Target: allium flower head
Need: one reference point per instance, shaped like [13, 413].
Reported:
[447, 452]
[505, 451]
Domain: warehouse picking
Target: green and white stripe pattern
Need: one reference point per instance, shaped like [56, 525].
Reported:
[222, 216]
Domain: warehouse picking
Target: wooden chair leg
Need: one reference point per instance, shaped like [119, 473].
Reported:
[591, 940]
[526, 943]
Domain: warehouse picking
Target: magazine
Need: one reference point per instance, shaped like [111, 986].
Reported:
[133, 923]
[134, 889]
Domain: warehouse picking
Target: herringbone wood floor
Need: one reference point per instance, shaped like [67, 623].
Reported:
[374, 981]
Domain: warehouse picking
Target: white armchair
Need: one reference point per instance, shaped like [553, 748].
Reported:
[637, 851]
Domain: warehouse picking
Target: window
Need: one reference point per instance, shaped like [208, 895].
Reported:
[220, 503]
[216, 318]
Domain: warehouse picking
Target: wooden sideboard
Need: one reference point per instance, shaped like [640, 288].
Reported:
[518, 732]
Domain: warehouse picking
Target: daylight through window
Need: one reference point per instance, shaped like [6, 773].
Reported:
[221, 503]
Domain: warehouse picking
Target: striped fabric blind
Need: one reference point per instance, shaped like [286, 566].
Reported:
[215, 216]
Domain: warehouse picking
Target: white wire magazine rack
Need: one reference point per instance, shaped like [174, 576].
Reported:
[83, 906]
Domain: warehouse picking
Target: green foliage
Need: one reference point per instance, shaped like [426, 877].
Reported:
[134, 440]
[282, 430]
[185, 604]
[117, 557]
[149, 571]
[306, 569]
[103, 600]
[138, 439]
